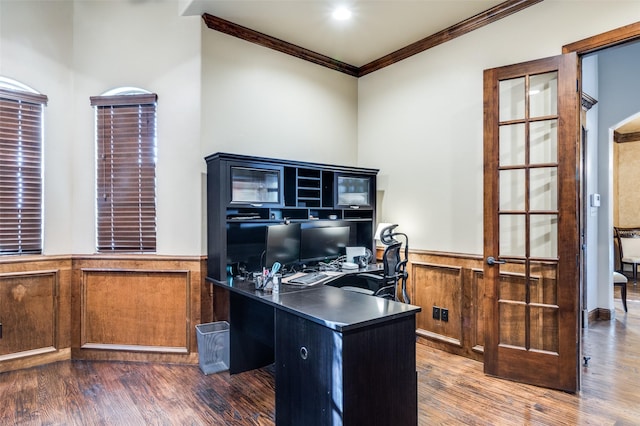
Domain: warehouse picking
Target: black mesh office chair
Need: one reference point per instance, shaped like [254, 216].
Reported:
[394, 268]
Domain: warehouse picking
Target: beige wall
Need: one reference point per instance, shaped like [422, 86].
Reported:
[256, 101]
[625, 184]
[73, 50]
[215, 93]
[36, 40]
[420, 120]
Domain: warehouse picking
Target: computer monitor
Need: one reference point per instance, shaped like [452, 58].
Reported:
[282, 244]
[323, 243]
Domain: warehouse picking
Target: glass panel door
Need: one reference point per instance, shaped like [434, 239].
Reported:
[531, 313]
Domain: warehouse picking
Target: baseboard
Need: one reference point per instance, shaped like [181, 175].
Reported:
[600, 314]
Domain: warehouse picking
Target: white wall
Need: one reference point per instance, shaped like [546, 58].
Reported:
[215, 93]
[257, 101]
[146, 45]
[419, 121]
[36, 40]
[73, 50]
[426, 114]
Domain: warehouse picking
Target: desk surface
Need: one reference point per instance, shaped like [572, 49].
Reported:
[331, 307]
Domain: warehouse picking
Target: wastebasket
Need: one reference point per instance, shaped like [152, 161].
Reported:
[213, 346]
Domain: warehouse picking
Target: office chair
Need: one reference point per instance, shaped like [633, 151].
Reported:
[394, 268]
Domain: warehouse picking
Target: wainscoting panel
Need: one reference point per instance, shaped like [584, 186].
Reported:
[28, 313]
[454, 282]
[476, 307]
[135, 310]
[138, 308]
[34, 310]
[438, 286]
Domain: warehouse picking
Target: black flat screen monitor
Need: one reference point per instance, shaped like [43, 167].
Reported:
[282, 244]
[325, 243]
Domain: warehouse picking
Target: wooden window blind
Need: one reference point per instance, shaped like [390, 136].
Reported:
[21, 172]
[126, 172]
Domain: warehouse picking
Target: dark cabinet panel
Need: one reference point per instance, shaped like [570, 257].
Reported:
[324, 377]
[309, 362]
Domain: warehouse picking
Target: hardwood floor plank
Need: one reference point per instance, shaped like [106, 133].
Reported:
[452, 390]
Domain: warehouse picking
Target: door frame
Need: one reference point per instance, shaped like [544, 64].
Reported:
[582, 47]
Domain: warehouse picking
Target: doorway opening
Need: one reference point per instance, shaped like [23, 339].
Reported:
[608, 76]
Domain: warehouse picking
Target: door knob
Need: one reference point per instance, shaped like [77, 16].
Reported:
[493, 261]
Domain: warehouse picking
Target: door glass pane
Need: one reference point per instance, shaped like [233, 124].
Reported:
[513, 284]
[543, 95]
[543, 283]
[544, 328]
[512, 235]
[544, 236]
[512, 99]
[543, 189]
[512, 190]
[543, 142]
[512, 323]
[512, 146]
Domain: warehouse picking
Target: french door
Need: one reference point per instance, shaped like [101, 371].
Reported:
[531, 242]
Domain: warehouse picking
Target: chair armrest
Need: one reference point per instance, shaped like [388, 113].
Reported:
[401, 266]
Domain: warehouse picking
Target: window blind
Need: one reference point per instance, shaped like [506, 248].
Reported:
[126, 172]
[21, 172]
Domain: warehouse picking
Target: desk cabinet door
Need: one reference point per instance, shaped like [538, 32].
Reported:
[308, 372]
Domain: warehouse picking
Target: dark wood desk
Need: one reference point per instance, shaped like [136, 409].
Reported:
[340, 357]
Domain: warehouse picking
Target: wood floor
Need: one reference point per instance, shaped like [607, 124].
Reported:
[452, 390]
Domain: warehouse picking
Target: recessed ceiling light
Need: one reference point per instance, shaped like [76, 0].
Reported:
[341, 14]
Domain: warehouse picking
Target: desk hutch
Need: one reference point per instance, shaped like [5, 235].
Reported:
[245, 194]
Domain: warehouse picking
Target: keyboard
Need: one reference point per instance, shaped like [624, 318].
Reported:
[309, 279]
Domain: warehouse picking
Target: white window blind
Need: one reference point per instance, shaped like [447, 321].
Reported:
[21, 171]
[126, 172]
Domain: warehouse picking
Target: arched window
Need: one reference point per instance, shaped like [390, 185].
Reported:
[126, 170]
[21, 137]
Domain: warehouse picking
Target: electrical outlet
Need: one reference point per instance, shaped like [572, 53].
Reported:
[444, 314]
[436, 313]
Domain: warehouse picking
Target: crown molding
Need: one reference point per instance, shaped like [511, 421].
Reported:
[227, 27]
[480, 20]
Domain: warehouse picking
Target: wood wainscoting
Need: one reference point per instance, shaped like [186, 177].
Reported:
[101, 307]
[138, 308]
[454, 282]
[35, 304]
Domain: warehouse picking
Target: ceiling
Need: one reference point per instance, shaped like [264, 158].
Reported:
[377, 27]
